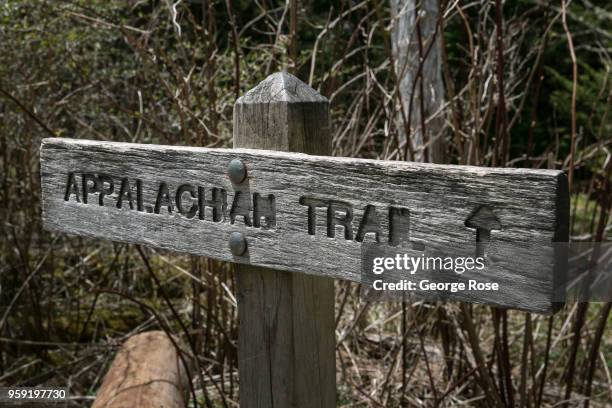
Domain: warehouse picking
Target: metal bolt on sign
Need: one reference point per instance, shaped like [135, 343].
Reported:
[236, 171]
[237, 243]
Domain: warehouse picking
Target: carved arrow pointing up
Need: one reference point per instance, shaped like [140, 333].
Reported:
[484, 220]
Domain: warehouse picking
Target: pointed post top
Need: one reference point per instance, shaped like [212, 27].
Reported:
[281, 87]
[283, 113]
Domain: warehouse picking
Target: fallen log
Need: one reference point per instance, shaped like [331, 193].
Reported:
[147, 372]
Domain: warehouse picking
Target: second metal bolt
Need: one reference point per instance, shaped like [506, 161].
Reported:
[237, 243]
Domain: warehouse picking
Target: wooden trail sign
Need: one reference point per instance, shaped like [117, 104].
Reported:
[279, 210]
[297, 212]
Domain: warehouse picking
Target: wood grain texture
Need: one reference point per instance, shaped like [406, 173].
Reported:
[146, 372]
[531, 206]
[443, 202]
[286, 342]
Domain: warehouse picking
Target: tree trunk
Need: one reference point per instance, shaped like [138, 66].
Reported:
[420, 85]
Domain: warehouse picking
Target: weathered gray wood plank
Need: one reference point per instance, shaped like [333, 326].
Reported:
[531, 206]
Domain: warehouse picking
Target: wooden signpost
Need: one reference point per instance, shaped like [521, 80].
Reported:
[293, 217]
